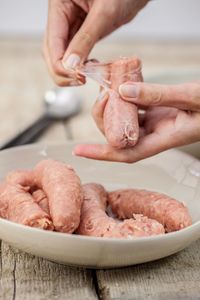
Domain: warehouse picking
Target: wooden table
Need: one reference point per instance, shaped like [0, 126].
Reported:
[23, 80]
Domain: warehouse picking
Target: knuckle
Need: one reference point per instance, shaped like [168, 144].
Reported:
[94, 111]
[55, 68]
[126, 157]
[62, 84]
[111, 11]
[192, 95]
[108, 154]
[154, 97]
[128, 160]
[86, 38]
[60, 81]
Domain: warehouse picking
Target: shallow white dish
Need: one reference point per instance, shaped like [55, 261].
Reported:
[173, 172]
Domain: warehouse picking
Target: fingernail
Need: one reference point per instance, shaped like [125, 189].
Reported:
[129, 90]
[102, 95]
[71, 62]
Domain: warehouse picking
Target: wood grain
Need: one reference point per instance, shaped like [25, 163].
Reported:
[27, 277]
[23, 81]
[176, 278]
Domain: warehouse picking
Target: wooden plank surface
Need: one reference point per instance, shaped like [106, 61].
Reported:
[27, 277]
[173, 278]
[23, 81]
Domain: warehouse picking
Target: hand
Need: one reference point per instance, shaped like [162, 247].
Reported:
[171, 118]
[74, 26]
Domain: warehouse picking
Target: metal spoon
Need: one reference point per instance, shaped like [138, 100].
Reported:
[59, 104]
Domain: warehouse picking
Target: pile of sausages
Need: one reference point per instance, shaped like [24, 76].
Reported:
[51, 197]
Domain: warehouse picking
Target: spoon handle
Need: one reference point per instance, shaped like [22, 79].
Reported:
[30, 134]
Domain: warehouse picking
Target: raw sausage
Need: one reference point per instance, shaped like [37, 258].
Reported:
[22, 177]
[168, 211]
[51, 197]
[41, 199]
[64, 192]
[95, 221]
[120, 117]
[25, 178]
[17, 205]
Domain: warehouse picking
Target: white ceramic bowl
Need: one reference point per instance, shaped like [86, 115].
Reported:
[173, 172]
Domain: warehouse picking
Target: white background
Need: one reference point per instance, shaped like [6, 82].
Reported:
[162, 19]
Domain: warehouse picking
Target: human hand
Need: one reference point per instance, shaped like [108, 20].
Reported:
[73, 28]
[171, 118]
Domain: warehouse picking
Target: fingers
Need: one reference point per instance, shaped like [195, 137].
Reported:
[58, 79]
[57, 36]
[182, 130]
[56, 40]
[102, 19]
[99, 22]
[147, 146]
[182, 96]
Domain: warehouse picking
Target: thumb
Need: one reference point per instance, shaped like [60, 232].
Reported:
[182, 96]
[95, 26]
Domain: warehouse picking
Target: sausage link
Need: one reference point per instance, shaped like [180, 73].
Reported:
[95, 221]
[120, 117]
[25, 178]
[64, 192]
[17, 205]
[41, 199]
[168, 211]
[22, 177]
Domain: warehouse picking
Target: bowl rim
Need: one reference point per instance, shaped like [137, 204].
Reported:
[67, 236]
